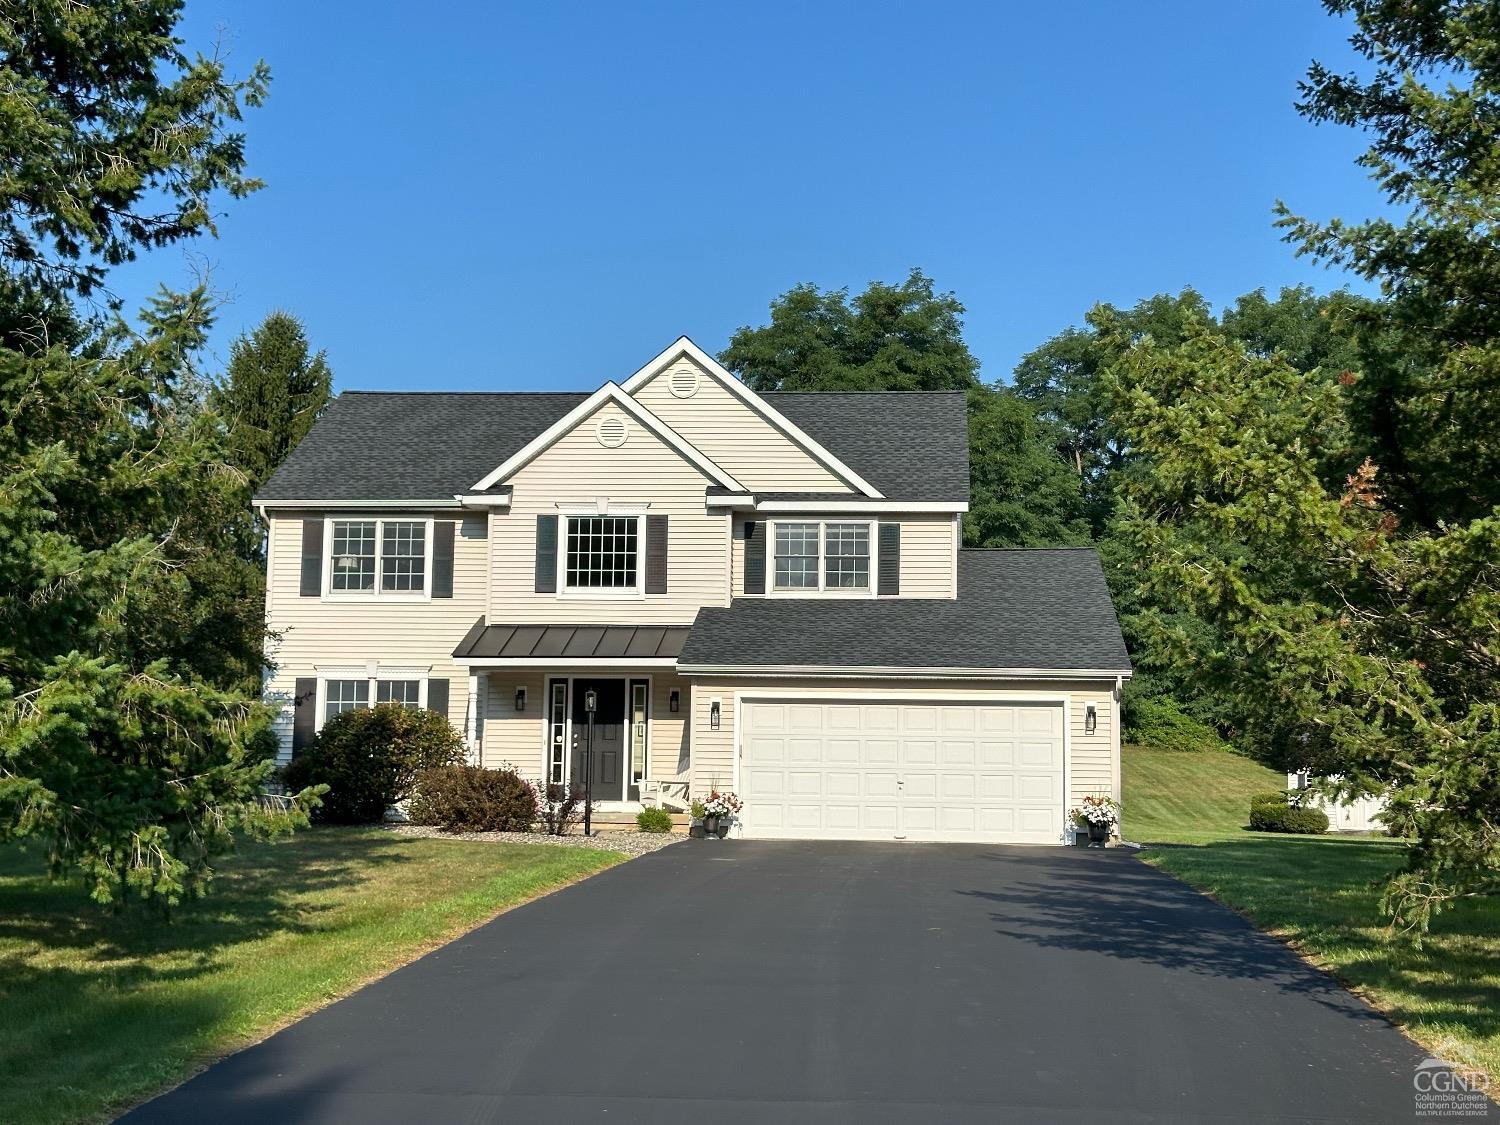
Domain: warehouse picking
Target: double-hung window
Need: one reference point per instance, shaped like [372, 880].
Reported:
[356, 694]
[822, 556]
[603, 553]
[378, 557]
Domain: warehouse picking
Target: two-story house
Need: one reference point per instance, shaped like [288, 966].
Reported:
[760, 592]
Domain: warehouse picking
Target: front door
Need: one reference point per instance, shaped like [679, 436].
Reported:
[609, 736]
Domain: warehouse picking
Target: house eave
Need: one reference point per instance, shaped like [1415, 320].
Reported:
[766, 671]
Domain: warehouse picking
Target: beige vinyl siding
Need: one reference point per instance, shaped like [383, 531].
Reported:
[333, 631]
[927, 556]
[927, 542]
[576, 470]
[735, 437]
[519, 739]
[1093, 759]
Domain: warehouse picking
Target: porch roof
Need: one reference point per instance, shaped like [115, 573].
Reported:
[572, 644]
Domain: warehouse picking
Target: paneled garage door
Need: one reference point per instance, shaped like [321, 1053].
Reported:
[857, 770]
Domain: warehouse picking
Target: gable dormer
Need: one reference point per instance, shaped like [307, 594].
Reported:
[693, 394]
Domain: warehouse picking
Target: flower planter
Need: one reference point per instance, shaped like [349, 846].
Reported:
[1098, 835]
[711, 826]
[723, 828]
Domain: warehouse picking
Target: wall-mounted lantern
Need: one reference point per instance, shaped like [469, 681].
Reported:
[674, 701]
[714, 711]
[520, 699]
[1090, 718]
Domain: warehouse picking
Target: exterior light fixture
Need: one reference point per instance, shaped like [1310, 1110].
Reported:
[714, 711]
[591, 701]
[520, 699]
[674, 700]
[1090, 718]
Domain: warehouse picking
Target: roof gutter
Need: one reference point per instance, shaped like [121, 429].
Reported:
[859, 504]
[565, 662]
[768, 671]
[483, 499]
[263, 505]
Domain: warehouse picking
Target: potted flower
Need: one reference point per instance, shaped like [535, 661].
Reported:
[1098, 816]
[717, 811]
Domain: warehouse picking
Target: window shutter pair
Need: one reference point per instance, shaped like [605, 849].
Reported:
[546, 555]
[887, 581]
[312, 559]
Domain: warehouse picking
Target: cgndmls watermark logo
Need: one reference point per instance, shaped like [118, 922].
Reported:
[1445, 1089]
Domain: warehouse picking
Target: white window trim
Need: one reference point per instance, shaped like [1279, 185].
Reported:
[422, 595]
[606, 509]
[372, 674]
[822, 590]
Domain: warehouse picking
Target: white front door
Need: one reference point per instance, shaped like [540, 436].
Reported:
[876, 770]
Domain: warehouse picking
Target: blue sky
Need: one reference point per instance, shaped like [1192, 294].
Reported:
[529, 196]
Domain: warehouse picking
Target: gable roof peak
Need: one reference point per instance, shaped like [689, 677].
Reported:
[684, 346]
[610, 392]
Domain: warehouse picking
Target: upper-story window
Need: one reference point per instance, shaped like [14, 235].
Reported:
[822, 556]
[603, 553]
[378, 556]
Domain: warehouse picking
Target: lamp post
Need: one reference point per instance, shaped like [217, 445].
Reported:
[590, 703]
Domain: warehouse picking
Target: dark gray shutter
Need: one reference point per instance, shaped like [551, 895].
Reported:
[437, 697]
[442, 559]
[656, 554]
[312, 558]
[546, 554]
[755, 558]
[890, 559]
[304, 714]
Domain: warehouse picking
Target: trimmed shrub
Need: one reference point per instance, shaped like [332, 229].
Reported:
[370, 759]
[1162, 724]
[653, 820]
[1288, 818]
[473, 799]
[1271, 798]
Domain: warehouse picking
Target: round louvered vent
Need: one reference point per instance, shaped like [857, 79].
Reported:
[684, 381]
[612, 432]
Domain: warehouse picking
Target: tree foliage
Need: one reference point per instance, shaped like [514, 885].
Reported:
[131, 740]
[1431, 354]
[909, 337]
[1348, 638]
[272, 394]
[114, 138]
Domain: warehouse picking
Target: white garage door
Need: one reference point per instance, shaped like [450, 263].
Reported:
[856, 770]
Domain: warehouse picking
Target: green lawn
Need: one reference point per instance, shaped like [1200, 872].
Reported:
[1320, 894]
[102, 1010]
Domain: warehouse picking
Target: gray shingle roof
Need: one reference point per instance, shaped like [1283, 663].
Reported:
[1041, 609]
[393, 445]
[911, 445]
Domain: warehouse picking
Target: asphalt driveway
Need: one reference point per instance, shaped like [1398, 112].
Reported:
[754, 981]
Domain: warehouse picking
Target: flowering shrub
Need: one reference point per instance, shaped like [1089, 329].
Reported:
[1097, 810]
[722, 804]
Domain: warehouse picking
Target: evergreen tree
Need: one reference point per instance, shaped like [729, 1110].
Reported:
[131, 739]
[273, 393]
